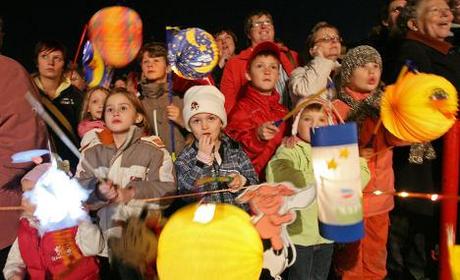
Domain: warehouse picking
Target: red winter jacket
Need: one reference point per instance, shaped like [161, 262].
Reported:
[234, 78]
[252, 110]
[42, 256]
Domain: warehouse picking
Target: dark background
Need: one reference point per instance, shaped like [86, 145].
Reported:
[27, 22]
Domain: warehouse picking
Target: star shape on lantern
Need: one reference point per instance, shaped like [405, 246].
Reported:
[331, 164]
[344, 153]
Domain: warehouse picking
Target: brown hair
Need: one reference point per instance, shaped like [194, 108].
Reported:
[154, 49]
[51, 45]
[84, 115]
[248, 21]
[310, 41]
[137, 106]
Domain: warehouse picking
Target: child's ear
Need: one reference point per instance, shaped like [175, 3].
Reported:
[139, 118]
[248, 77]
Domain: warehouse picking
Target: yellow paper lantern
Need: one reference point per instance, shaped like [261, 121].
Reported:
[419, 107]
[226, 247]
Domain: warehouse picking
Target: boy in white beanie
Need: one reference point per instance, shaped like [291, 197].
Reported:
[314, 253]
[212, 155]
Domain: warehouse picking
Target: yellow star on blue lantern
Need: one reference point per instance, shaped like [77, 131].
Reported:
[331, 164]
[344, 153]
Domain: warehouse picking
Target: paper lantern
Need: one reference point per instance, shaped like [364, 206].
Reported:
[336, 167]
[116, 33]
[226, 247]
[96, 73]
[419, 107]
[193, 53]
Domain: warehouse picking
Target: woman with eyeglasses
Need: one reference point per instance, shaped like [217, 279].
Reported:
[415, 223]
[259, 27]
[324, 46]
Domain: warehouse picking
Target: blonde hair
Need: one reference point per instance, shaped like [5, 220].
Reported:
[85, 115]
[136, 104]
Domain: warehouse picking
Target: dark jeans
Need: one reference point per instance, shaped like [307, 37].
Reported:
[312, 262]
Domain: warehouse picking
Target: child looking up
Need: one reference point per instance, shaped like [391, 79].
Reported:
[135, 166]
[212, 153]
[314, 253]
[251, 121]
[359, 101]
[91, 113]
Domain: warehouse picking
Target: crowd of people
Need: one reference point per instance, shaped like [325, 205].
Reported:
[152, 143]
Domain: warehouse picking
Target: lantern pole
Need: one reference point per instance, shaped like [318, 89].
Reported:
[169, 36]
[450, 173]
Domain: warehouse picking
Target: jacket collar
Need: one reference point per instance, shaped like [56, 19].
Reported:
[65, 83]
[267, 100]
[440, 46]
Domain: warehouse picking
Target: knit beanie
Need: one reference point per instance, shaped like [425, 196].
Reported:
[327, 109]
[357, 57]
[203, 99]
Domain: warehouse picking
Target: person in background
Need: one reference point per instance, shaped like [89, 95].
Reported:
[75, 74]
[20, 130]
[386, 37]
[259, 27]
[414, 232]
[212, 153]
[251, 122]
[153, 90]
[226, 41]
[323, 50]
[59, 97]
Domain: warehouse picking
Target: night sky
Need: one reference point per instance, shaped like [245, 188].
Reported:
[27, 22]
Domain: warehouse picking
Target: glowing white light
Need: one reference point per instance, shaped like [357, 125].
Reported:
[378, 192]
[59, 201]
[434, 197]
[204, 213]
[403, 194]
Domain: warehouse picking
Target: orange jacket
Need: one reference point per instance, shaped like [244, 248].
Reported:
[380, 165]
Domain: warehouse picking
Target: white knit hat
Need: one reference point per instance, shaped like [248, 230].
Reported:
[203, 99]
[327, 106]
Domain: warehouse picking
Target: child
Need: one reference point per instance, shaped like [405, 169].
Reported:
[36, 254]
[359, 101]
[212, 153]
[295, 165]
[134, 166]
[251, 121]
[153, 91]
[91, 113]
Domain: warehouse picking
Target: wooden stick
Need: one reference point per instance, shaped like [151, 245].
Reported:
[303, 104]
[11, 208]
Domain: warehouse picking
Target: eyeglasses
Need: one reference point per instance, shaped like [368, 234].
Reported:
[260, 23]
[440, 11]
[329, 39]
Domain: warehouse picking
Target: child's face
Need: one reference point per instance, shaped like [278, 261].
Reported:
[365, 78]
[263, 73]
[96, 104]
[154, 68]
[205, 123]
[309, 119]
[120, 114]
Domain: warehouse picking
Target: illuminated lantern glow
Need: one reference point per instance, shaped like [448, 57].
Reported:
[193, 53]
[116, 33]
[336, 167]
[419, 107]
[223, 245]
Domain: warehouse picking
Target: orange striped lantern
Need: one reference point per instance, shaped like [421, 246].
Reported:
[116, 33]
